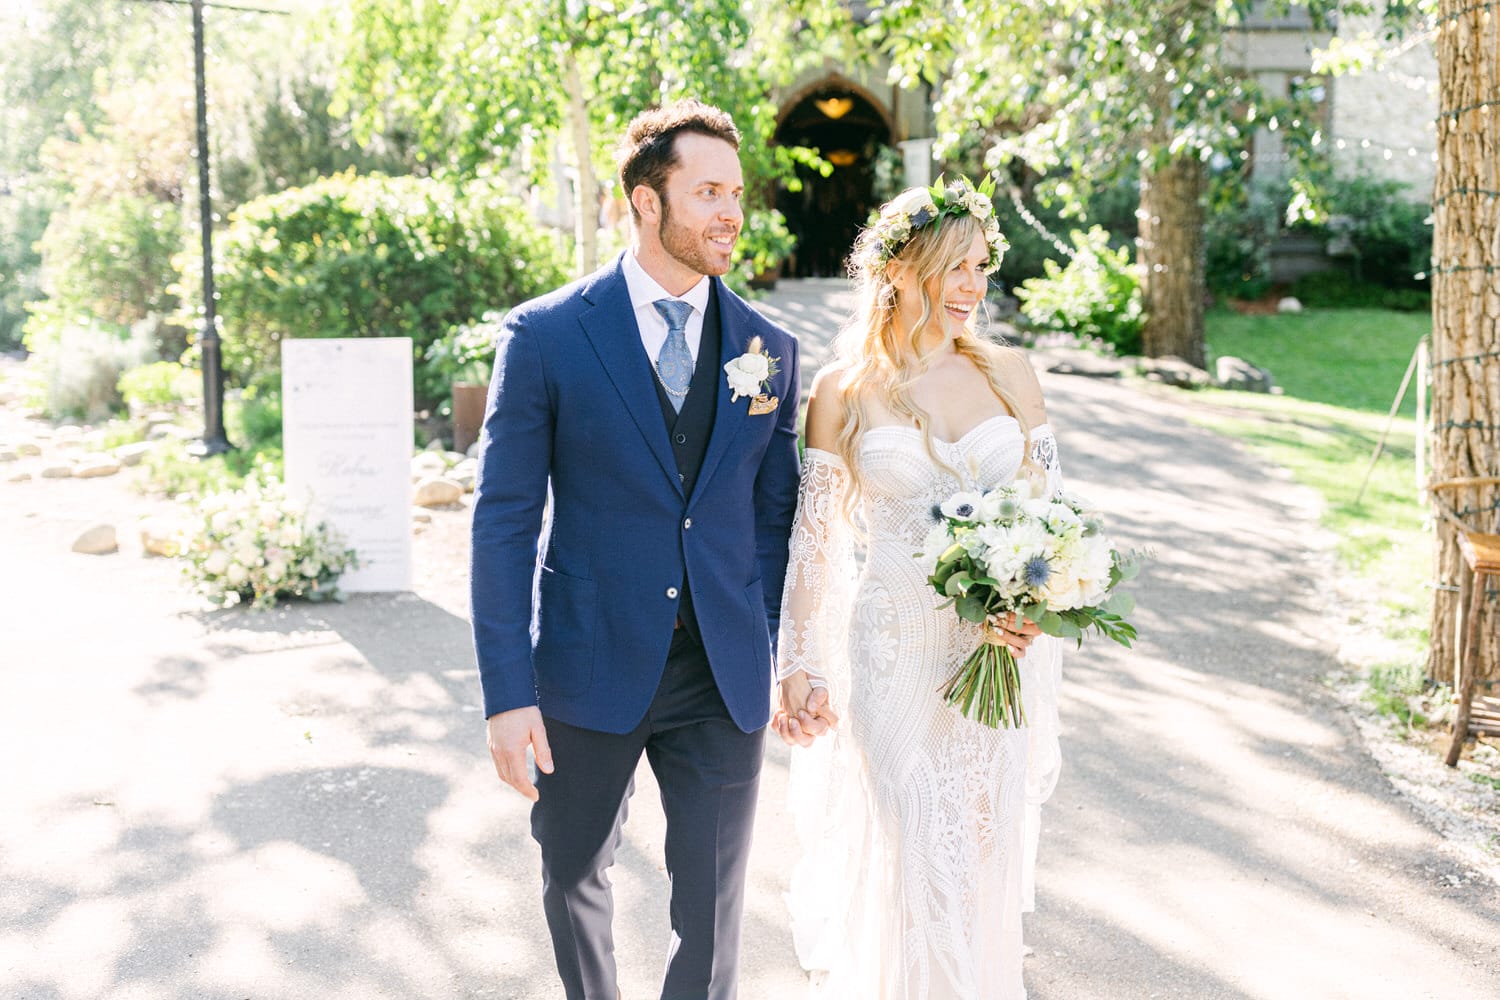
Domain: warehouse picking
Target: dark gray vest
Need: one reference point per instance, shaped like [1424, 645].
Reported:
[689, 430]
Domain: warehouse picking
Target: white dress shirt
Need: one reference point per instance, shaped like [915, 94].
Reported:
[644, 291]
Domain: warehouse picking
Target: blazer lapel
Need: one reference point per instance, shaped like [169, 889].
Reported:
[729, 417]
[611, 328]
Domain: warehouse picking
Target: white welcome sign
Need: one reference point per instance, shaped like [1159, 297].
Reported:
[346, 412]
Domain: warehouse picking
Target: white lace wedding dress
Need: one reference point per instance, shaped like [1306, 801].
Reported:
[918, 826]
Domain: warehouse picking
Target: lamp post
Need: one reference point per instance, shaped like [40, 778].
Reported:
[214, 440]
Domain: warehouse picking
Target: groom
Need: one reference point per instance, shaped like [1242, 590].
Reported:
[635, 613]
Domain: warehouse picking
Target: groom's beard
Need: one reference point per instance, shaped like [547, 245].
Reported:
[687, 247]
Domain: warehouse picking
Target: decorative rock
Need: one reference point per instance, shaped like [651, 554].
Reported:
[421, 516]
[465, 474]
[453, 457]
[57, 470]
[8, 454]
[93, 440]
[131, 454]
[94, 466]
[1289, 305]
[67, 436]
[159, 536]
[427, 464]
[436, 444]
[437, 491]
[1172, 370]
[1237, 373]
[159, 417]
[473, 451]
[97, 541]
[19, 476]
[160, 432]
[28, 448]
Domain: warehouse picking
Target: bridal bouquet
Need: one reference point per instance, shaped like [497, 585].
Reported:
[1013, 550]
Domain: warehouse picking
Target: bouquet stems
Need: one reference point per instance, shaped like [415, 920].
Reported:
[987, 688]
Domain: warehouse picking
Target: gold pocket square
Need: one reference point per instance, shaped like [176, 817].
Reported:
[763, 404]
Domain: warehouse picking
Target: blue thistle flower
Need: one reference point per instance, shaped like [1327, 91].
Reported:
[1036, 572]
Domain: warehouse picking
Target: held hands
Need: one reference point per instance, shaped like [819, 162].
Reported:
[805, 712]
[510, 733]
[1009, 630]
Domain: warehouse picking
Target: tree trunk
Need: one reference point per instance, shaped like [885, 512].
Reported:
[586, 198]
[1170, 255]
[1465, 434]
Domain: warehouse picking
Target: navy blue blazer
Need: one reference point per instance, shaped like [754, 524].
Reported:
[576, 615]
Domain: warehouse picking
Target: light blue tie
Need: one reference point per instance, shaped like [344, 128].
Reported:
[674, 365]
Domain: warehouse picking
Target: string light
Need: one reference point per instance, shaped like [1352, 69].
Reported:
[1479, 105]
[1465, 11]
[1037, 224]
[1388, 152]
[1468, 425]
[1456, 192]
[1466, 357]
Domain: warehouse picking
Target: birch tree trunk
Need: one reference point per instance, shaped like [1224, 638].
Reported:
[1170, 254]
[1465, 433]
[586, 197]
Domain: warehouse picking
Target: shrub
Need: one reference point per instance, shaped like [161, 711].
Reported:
[159, 384]
[1380, 230]
[1341, 290]
[1096, 296]
[764, 243]
[80, 362]
[1240, 229]
[114, 259]
[352, 256]
[24, 211]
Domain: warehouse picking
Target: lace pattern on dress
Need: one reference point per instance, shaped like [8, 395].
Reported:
[919, 827]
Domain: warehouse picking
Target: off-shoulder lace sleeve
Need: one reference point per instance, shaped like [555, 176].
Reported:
[819, 577]
[1044, 454]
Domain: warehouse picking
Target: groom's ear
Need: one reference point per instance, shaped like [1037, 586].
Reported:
[647, 203]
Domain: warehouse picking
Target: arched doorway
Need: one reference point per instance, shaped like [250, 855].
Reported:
[847, 130]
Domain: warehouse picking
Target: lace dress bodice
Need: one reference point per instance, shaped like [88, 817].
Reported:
[919, 825]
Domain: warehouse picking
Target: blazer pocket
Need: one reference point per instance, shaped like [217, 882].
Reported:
[566, 611]
[755, 597]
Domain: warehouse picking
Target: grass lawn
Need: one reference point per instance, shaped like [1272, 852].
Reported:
[1340, 371]
[1352, 358]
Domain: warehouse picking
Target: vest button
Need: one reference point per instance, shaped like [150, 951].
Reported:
[671, 593]
[681, 439]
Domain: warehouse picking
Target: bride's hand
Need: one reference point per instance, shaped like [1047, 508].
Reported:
[1013, 631]
[805, 711]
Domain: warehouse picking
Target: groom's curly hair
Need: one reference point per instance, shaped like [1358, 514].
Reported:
[648, 152]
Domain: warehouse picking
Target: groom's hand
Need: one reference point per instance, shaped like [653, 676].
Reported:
[510, 733]
[805, 712]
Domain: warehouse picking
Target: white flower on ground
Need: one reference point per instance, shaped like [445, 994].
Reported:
[216, 563]
[236, 574]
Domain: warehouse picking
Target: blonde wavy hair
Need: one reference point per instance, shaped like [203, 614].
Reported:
[876, 361]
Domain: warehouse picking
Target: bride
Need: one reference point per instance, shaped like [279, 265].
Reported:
[918, 825]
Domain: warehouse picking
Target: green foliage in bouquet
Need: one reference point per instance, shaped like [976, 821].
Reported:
[1010, 551]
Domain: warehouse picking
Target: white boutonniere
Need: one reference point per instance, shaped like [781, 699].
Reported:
[750, 373]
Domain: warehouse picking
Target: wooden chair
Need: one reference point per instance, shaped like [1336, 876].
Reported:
[1481, 716]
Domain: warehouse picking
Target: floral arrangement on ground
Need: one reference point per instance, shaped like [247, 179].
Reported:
[255, 545]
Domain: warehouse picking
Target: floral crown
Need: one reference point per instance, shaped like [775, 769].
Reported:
[919, 207]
